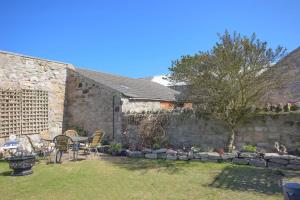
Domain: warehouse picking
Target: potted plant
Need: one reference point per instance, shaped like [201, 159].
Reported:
[115, 148]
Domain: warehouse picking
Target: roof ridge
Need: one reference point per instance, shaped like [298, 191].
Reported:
[33, 57]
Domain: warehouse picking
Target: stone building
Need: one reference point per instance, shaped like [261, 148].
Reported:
[38, 94]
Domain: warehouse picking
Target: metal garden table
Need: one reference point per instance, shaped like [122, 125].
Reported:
[77, 140]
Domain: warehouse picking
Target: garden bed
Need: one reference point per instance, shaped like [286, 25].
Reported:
[269, 160]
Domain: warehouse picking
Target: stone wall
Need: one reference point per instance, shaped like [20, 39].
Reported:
[186, 130]
[23, 72]
[139, 105]
[89, 105]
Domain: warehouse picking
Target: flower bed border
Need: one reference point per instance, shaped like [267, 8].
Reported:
[267, 160]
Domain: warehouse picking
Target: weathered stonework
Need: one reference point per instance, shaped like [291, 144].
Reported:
[89, 105]
[139, 105]
[23, 72]
[186, 130]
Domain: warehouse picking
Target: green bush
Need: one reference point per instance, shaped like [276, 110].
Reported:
[116, 147]
[156, 146]
[249, 148]
[294, 108]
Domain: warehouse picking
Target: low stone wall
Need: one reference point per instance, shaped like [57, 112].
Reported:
[187, 128]
[268, 160]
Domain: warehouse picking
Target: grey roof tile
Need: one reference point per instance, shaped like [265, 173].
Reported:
[131, 87]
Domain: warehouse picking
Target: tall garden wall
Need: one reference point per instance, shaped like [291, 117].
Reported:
[186, 129]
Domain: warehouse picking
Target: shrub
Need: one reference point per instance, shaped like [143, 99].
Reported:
[156, 146]
[151, 132]
[294, 108]
[249, 148]
[116, 147]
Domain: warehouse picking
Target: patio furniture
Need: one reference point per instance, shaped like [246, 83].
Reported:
[93, 146]
[47, 144]
[71, 133]
[76, 144]
[62, 145]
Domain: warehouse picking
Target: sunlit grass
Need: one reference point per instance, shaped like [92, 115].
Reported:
[123, 178]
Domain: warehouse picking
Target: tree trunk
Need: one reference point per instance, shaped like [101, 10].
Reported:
[230, 141]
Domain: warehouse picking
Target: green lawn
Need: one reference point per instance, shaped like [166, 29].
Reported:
[123, 178]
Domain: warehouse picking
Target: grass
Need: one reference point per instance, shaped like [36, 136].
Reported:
[123, 178]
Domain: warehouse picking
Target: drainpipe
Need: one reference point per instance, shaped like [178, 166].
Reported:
[113, 121]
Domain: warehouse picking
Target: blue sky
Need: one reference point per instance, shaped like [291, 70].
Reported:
[139, 38]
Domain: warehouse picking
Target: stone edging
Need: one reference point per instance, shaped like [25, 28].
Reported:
[268, 160]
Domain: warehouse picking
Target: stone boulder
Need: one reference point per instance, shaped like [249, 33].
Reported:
[147, 150]
[161, 155]
[201, 155]
[268, 156]
[191, 155]
[151, 155]
[247, 155]
[183, 157]
[295, 162]
[241, 161]
[163, 150]
[134, 154]
[171, 157]
[258, 162]
[171, 152]
[293, 167]
[279, 160]
[275, 165]
[228, 156]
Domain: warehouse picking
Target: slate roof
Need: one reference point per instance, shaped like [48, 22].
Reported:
[131, 87]
[289, 67]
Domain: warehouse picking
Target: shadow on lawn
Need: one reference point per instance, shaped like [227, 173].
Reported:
[144, 165]
[245, 178]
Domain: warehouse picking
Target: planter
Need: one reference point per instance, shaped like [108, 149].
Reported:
[115, 153]
[123, 153]
[21, 165]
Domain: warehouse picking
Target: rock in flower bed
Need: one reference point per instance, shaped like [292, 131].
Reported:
[270, 160]
[275, 160]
